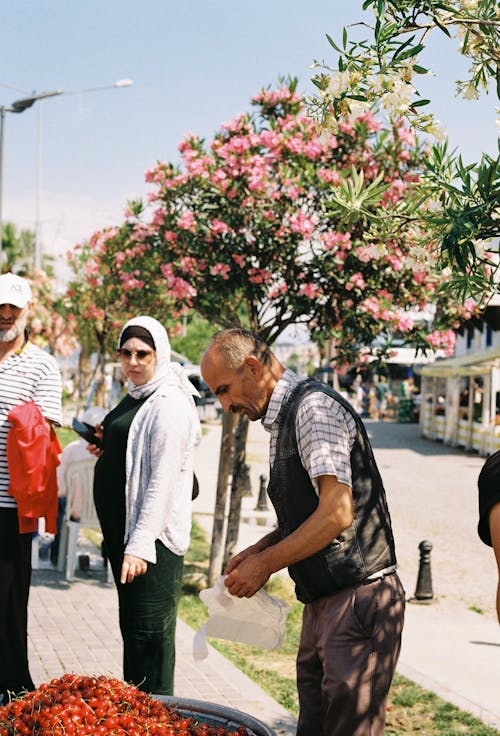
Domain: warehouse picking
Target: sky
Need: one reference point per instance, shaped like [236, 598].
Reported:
[72, 162]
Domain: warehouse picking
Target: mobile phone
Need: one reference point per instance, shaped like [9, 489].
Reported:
[87, 432]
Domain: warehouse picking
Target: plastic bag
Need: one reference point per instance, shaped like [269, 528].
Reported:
[259, 620]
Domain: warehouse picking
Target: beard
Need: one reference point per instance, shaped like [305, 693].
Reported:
[13, 332]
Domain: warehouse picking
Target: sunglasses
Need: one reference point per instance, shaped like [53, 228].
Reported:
[142, 356]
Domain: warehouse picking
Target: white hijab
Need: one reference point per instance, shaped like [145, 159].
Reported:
[166, 372]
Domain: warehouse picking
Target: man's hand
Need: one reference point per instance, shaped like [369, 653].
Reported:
[249, 576]
[132, 567]
[238, 559]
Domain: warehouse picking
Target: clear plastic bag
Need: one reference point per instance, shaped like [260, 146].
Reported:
[259, 620]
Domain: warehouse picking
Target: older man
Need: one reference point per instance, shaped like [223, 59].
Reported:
[334, 535]
[27, 373]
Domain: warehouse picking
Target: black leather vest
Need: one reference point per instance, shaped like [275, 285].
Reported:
[362, 549]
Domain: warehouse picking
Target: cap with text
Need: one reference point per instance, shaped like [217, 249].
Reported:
[14, 290]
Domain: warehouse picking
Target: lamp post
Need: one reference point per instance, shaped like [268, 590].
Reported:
[18, 106]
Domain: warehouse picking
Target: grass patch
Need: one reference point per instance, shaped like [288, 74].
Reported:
[66, 435]
[412, 711]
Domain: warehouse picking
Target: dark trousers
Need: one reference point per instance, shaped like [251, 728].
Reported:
[347, 656]
[15, 579]
[148, 616]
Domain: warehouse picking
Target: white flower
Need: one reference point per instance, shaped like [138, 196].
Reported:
[436, 130]
[469, 4]
[470, 92]
[358, 108]
[338, 84]
[419, 253]
[434, 205]
[399, 99]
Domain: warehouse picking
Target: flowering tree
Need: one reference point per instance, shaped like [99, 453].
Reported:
[242, 234]
[103, 294]
[248, 233]
[456, 205]
[51, 325]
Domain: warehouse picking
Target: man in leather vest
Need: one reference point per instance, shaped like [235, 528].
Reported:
[334, 535]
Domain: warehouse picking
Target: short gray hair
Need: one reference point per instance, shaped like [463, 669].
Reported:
[236, 344]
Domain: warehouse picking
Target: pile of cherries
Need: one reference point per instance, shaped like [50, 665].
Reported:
[98, 706]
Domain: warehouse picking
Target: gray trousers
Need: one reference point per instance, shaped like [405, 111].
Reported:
[349, 647]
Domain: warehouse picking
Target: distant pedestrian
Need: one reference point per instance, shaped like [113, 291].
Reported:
[334, 535]
[489, 510]
[27, 374]
[381, 393]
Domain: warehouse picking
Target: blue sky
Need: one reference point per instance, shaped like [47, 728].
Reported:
[194, 63]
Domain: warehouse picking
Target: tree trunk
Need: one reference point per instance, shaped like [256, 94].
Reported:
[226, 446]
[85, 372]
[100, 398]
[237, 487]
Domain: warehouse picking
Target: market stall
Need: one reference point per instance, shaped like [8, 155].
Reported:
[460, 401]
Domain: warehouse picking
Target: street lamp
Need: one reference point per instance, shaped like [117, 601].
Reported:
[17, 106]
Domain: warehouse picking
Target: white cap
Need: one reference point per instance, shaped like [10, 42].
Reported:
[14, 290]
[94, 415]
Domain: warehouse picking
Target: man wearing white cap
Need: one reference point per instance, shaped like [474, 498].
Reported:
[27, 373]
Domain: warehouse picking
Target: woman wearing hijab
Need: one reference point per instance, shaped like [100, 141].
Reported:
[142, 491]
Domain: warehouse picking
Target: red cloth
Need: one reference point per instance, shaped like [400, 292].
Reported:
[33, 451]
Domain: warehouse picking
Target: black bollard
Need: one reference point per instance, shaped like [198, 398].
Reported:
[423, 591]
[262, 502]
[245, 480]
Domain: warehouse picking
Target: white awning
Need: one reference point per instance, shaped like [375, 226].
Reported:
[467, 365]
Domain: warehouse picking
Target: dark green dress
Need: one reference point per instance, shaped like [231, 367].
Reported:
[148, 605]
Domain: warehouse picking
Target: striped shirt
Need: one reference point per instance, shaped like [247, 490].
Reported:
[30, 374]
[325, 431]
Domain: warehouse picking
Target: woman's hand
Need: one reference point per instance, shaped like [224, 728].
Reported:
[94, 449]
[132, 567]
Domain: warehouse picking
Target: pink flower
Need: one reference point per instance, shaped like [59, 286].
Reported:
[404, 322]
[186, 221]
[302, 224]
[259, 276]
[277, 290]
[310, 290]
[313, 149]
[337, 240]
[222, 270]
[331, 176]
[239, 260]
[356, 280]
[188, 265]
[445, 340]
[217, 227]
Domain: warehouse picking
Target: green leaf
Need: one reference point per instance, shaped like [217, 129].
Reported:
[420, 69]
[344, 38]
[332, 43]
[409, 53]
[420, 103]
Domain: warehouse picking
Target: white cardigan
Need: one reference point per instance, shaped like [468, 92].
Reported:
[159, 469]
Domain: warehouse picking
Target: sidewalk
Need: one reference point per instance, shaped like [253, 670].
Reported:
[447, 647]
[73, 627]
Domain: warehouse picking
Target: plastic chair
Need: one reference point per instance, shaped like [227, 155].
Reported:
[79, 478]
